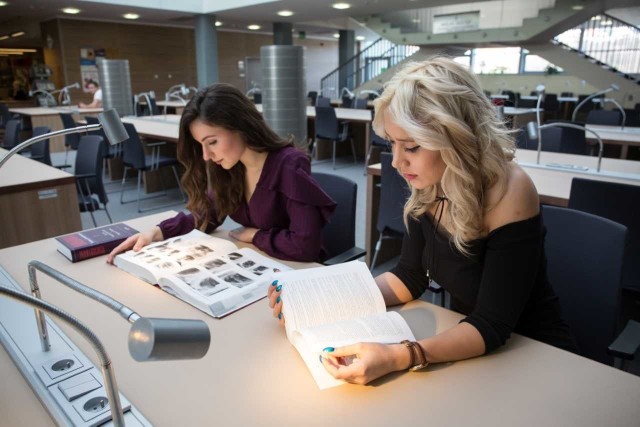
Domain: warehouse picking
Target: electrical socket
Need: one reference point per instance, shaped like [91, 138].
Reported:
[62, 366]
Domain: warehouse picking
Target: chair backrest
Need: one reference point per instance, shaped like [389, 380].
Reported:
[73, 139]
[327, 126]
[132, 149]
[40, 150]
[394, 192]
[563, 140]
[11, 134]
[361, 103]
[323, 101]
[313, 96]
[566, 94]
[550, 102]
[347, 101]
[633, 118]
[339, 235]
[584, 264]
[100, 132]
[604, 117]
[153, 108]
[89, 161]
[257, 98]
[5, 114]
[617, 202]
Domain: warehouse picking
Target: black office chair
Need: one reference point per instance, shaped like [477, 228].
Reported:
[633, 118]
[339, 235]
[347, 101]
[375, 141]
[110, 151]
[40, 150]
[153, 107]
[88, 173]
[133, 156]
[322, 101]
[71, 140]
[312, 96]
[586, 278]
[11, 136]
[551, 105]
[523, 141]
[620, 203]
[604, 117]
[561, 140]
[257, 98]
[361, 103]
[328, 127]
[566, 94]
[5, 115]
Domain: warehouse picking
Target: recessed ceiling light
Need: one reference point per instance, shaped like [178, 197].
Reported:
[254, 27]
[131, 16]
[3, 3]
[71, 10]
[4, 37]
[336, 35]
[218, 23]
[577, 7]
[360, 38]
[285, 13]
[341, 5]
[18, 34]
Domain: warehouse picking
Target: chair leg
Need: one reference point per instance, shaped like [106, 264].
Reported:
[366, 160]
[139, 185]
[353, 150]
[124, 178]
[376, 252]
[108, 216]
[175, 173]
[334, 154]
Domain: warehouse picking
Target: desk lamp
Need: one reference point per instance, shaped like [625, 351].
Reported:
[46, 94]
[149, 339]
[63, 94]
[147, 96]
[613, 87]
[108, 121]
[374, 93]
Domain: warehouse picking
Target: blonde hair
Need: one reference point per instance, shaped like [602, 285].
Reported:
[441, 106]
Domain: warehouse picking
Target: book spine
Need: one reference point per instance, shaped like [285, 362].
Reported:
[93, 251]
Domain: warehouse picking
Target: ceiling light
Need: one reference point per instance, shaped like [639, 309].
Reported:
[71, 10]
[415, 20]
[131, 16]
[577, 7]
[360, 38]
[596, 18]
[336, 35]
[17, 34]
[254, 27]
[341, 5]
[285, 13]
[218, 23]
[10, 49]
[4, 37]
[3, 3]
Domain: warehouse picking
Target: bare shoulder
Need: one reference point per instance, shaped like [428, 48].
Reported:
[519, 202]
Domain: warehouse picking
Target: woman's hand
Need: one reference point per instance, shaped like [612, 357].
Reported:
[275, 300]
[364, 362]
[137, 242]
[244, 234]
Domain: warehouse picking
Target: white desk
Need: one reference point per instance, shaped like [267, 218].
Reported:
[615, 135]
[157, 127]
[253, 376]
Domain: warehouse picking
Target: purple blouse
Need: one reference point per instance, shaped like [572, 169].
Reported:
[288, 207]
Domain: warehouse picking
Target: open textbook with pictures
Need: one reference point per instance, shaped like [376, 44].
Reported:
[333, 307]
[210, 273]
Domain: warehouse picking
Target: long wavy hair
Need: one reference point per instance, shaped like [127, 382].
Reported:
[440, 104]
[225, 106]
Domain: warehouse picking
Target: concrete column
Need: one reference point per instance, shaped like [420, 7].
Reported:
[282, 33]
[347, 44]
[206, 50]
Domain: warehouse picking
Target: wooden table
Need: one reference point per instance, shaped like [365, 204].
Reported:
[253, 376]
[50, 117]
[37, 201]
[616, 135]
[553, 183]
[520, 116]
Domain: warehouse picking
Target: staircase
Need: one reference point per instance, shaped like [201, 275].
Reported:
[369, 63]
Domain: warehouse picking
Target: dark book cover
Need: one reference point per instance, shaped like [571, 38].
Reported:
[94, 242]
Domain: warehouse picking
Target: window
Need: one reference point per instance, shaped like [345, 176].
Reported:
[498, 60]
[537, 64]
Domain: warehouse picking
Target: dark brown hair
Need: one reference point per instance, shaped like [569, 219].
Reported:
[225, 106]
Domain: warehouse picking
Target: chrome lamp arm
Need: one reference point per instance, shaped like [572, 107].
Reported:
[109, 122]
[45, 93]
[624, 114]
[593, 95]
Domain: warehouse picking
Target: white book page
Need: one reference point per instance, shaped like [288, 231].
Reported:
[385, 328]
[321, 295]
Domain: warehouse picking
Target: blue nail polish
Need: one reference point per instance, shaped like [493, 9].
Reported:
[328, 349]
[280, 315]
[274, 283]
[278, 288]
[278, 300]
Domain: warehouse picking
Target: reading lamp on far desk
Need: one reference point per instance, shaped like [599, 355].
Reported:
[150, 339]
[108, 120]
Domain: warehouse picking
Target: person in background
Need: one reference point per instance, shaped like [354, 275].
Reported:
[236, 166]
[95, 90]
[473, 226]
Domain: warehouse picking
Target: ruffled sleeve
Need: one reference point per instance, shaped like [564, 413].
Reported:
[184, 223]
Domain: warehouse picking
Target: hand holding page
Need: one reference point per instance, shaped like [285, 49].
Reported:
[336, 306]
[210, 273]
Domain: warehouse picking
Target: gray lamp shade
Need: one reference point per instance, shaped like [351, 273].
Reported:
[112, 125]
[168, 339]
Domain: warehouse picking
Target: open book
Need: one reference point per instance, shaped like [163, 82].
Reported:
[210, 273]
[333, 307]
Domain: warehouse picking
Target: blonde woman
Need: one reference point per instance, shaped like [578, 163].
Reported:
[473, 226]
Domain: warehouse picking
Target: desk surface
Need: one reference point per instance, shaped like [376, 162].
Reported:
[160, 127]
[41, 111]
[21, 173]
[614, 133]
[253, 376]
[351, 114]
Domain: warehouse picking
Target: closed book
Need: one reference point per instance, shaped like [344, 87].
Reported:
[92, 243]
